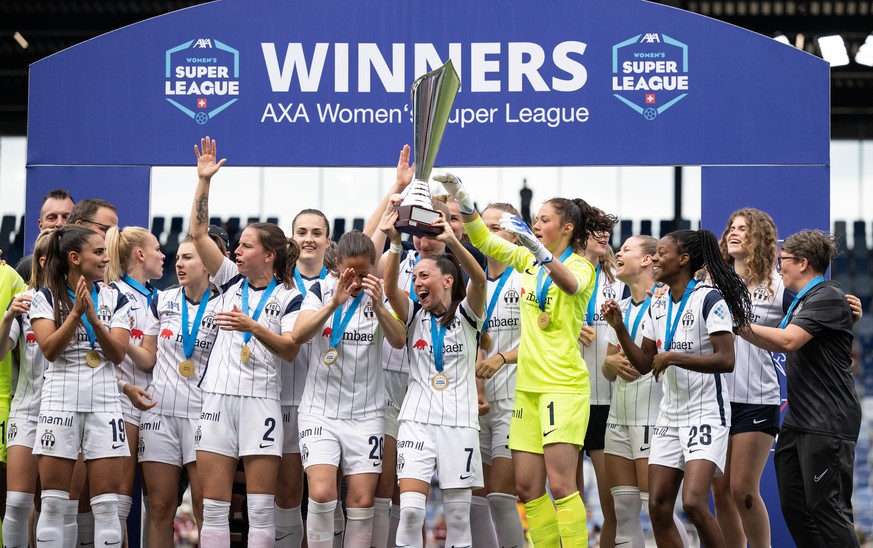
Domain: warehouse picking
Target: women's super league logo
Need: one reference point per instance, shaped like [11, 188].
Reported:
[650, 73]
[202, 78]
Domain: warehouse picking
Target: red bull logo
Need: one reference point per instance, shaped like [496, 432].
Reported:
[420, 344]
[166, 334]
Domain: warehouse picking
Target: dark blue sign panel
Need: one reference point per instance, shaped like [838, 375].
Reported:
[313, 83]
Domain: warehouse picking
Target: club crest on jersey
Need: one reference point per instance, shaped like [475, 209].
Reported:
[511, 297]
[198, 434]
[687, 321]
[369, 313]
[608, 292]
[47, 441]
[454, 324]
[273, 309]
[104, 314]
[304, 452]
[140, 448]
[401, 462]
[208, 322]
[761, 294]
[13, 431]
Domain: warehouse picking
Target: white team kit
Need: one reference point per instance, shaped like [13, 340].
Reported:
[396, 360]
[140, 327]
[635, 405]
[439, 418]
[694, 417]
[76, 397]
[595, 353]
[504, 334]
[24, 412]
[167, 430]
[241, 413]
[343, 405]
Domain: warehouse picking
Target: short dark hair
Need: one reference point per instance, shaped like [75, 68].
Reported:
[813, 245]
[56, 194]
[85, 210]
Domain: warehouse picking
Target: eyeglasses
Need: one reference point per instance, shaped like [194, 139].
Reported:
[786, 258]
[103, 227]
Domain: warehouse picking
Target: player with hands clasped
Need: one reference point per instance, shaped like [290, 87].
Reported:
[687, 340]
[550, 412]
[241, 415]
[343, 404]
[439, 419]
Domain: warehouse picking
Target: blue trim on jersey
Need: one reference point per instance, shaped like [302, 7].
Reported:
[720, 399]
[294, 305]
[234, 280]
[712, 298]
[315, 290]
[466, 317]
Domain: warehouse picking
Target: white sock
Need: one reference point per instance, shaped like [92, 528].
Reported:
[147, 519]
[381, 517]
[456, 503]
[683, 533]
[124, 504]
[85, 536]
[319, 524]
[507, 520]
[628, 528]
[15, 523]
[393, 523]
[107, 528]
[215, 532]
[412, 512]
[359, 529]
[71, 528]
[289, 527]
[339, 526]
[481, 524]
[262, 528]
[50, 528]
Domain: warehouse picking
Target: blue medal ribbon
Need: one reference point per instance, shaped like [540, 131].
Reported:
[812, 283]
[412, 294]
[298, 280]
[543, 287]
[89, 329]
[643, 308]
[671, 329]
[589, 314]
[146, 290]
[493, 302]
[245, 303]
[341, 321]
[437, 335]
[189, 333]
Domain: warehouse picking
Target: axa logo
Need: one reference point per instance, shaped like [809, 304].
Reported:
[201, 78]
[650, 73]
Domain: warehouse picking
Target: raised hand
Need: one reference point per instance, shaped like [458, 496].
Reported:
[447, 234]
[455, 187]
[344, 287]
[373, 288]
[405, 170]
[611, 312]
[19, 305]
[386, 224]
[515, 225]
[206, 156]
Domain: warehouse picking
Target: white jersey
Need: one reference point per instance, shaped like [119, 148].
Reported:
[634, 403]
[595, 353]
[258, 377]
[140, 327]
[294, 373]
[691, 398]
[32, 366]
[396, 359]
[754, 377]
[177, 395]
[457, 404]
[70, 384]
[504, 328]
[353, 386]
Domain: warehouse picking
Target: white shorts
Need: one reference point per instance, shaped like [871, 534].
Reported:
[494, 431]
[628, 442]
[237, 426]
[290, 429]
[132, 416]
[356, 444]
[21, 432]
[167, 439]
[396, 384]
[451, 451]
[674, 446]
[63, 433]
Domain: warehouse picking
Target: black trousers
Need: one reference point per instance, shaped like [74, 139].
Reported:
[814, 474]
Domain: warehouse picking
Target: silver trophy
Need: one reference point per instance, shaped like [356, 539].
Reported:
[432, 98]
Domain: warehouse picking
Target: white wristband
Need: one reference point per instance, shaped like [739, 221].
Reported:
[396, 248]
[121, 384]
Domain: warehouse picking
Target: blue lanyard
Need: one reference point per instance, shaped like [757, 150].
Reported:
[245, 303]
[812, 283]
[543, 288]
[146, 291]
[640, 314]
[412, 294]
[298, 280]
[493, 302]
[671, 330]
[437, 335]
[189, 333]
[92, 336]
[589, 314]
[341, 321]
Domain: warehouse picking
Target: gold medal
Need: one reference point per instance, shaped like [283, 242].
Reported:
[186, 368]
[485, 342]
[543, 320]
[245, 353]
[93, 358]
[330, 357]
[439, 382]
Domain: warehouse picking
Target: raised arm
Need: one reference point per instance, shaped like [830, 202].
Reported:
[401, 181]
[476, 285]
[208, 251]
[309, 322]
[398, 300]
[640, 358]
[392, 328]
[17, 307]
[113, 341]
